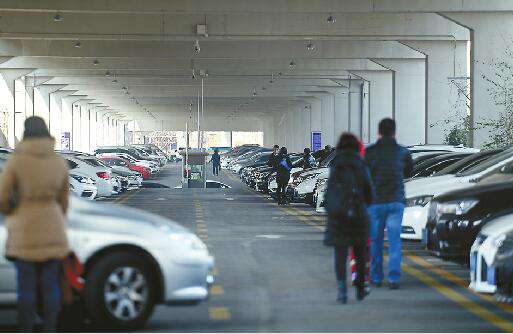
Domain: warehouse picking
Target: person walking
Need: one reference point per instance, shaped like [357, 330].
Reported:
[216, 162]
[283, 168]
[389, 163]
[308, 160]
[348, 193]
[35, 202]
[273, 158]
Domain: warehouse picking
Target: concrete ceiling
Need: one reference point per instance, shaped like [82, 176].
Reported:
[255, 54]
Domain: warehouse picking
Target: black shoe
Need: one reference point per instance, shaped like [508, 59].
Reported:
[393, 285]
[361, 293]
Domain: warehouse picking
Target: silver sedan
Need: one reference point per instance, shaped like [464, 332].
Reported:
[133, 260]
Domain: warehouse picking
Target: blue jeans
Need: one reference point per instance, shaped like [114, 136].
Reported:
[389, 215]
[42, 276]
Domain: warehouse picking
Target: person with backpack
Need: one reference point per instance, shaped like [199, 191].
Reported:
[348, 193]
[284, 165]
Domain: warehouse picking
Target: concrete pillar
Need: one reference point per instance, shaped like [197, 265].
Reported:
[381, 101]
[446, 84]
[409, 99]
[76, 124]
[365, 98]
[341, 111]
[491, 34]
[42, 104]
[268, 129]
[57, 115]
[315, 105]
[7, 86]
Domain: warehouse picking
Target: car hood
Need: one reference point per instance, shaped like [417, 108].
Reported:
[499, 225]
[478, 190]
[435, 185]
[111, 215]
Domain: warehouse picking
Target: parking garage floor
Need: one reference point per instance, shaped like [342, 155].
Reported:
[274, 274]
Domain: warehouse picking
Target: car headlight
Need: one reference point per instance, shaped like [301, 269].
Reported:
[82, 179]
[190, 240]
[497, 242]
[457, 207]
[419, 200]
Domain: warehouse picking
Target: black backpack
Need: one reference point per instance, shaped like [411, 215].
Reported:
[343, 196]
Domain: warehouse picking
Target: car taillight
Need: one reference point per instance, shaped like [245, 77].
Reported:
[103, 175]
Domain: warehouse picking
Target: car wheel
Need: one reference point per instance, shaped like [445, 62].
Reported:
[120, 291]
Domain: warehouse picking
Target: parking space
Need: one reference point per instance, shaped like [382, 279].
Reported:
[273, 274]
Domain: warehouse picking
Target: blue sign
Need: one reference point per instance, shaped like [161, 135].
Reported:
[316, 141]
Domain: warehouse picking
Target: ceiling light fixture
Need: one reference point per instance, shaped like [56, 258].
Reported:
[114, 80]
[124, 88]
[58, 18]
[107, 74]
[96, 62]
[77, 45]
[331, 19]
[292, 64]
[311, 46]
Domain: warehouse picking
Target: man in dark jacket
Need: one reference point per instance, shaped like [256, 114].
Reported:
[389, 163]
[273, 158]
[308, 161]
[216, 162]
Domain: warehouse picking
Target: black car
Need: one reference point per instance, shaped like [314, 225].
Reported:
[435, 164]
[455, 218]
[504, 270]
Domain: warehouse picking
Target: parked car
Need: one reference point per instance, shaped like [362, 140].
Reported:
[150, 165]
[136, 154]
[120, 163]
[458, 216]
[504, 268]
[101, 175]
[484, 250]
[421, 150]
[435, 164]
[469, 162]
[419, 192]
[82, 186]
[159, 261]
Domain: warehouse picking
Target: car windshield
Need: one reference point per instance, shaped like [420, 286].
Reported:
[324, 163]
[490, 162]
[467, 163]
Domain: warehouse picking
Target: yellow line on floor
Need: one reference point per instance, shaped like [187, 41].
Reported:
[448, 292]
[219, 313]
[124, 199]
[461, 300]
[457, 280]
[216, 290]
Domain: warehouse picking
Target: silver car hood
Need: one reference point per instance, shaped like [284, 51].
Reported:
[97, 216]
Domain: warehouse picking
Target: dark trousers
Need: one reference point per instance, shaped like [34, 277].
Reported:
[31, 278]
[341, 252]
[215, 169]
[281, 192]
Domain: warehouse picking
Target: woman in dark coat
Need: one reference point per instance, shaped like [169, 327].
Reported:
[349, 191]
[284, 165]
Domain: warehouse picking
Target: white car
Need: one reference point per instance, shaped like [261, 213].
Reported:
[132, 261]
[419, 192]
[82, 186]
[100, 175]
[482, 253]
